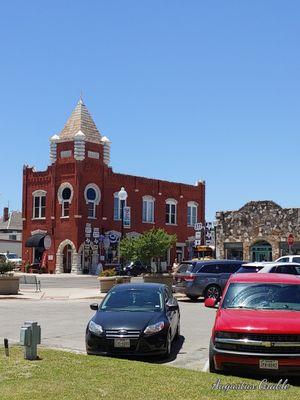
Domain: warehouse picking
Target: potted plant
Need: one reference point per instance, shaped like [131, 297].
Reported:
[150, 248]
[9, 284]
[108, 278]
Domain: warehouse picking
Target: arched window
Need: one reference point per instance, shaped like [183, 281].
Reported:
[192, 213]
[117, 207]
[92, 197]
[39, 204]
[65, 195]
[148, 209]
[171, 211]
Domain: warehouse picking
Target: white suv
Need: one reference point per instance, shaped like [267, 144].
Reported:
[11, 257]
[294, 259]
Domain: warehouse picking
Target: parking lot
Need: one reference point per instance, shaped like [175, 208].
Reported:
[63, 324]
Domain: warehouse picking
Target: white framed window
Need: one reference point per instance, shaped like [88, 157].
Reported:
[117, 207]
[171, 211]
[65, 195]
[148, 209]
[39, 204]
[192, 213]
[92, 197]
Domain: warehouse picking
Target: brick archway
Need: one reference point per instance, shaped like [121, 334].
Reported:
[59, 257]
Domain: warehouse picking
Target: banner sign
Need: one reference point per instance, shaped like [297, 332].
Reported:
[127, 215]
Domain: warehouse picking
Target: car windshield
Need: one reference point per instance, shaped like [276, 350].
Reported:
[263, 296]
[187, 267]
[133, 300]
[12, 256]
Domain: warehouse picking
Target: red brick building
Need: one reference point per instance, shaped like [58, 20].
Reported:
[71, 211]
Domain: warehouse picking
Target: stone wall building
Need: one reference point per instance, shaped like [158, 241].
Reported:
[257, 232]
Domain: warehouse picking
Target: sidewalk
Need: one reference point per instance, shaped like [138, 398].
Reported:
[57, 294]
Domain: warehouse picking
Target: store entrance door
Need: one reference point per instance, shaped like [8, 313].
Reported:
[261, 251]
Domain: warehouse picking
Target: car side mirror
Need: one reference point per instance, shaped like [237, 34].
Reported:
[210, 302]
[94, 306]
[172, 306]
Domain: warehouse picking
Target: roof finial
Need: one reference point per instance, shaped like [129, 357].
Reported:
[80, 99]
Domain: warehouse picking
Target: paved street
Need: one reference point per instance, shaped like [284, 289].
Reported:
[63, 325]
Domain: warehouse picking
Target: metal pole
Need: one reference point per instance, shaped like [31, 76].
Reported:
[122, 232]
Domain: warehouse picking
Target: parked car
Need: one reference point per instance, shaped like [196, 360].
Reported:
[134, 319]
[135, 268]
[293, 259]
[252, 267]
[11, 257]
[204, 278]
[257, 325]
[281, 268]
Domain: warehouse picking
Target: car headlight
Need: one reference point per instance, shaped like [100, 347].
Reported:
[159, 326]
[95, 328]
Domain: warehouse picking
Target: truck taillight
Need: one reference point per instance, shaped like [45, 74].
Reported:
[190, 278]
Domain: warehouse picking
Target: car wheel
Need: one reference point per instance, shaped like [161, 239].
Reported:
[213, 291]
[177, 334]
[211, 361]
[193, 298]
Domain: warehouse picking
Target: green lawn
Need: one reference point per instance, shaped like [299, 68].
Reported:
[61, 375]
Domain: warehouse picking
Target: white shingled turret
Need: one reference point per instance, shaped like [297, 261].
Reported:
[106, 149]
[79, 146]
[53, 148]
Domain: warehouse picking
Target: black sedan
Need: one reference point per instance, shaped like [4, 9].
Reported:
[134, 319]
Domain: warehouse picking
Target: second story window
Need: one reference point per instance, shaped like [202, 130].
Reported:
[39, 204]
[171, 212]
[65, 195]
[192, 211]
[148, 209]
[92, 198]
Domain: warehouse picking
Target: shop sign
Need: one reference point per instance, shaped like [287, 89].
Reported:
[198, 226]
[96, 233]
[127, 215]
[47, 242]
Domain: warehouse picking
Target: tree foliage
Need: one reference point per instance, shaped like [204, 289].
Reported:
[5, 267]
[151, 245]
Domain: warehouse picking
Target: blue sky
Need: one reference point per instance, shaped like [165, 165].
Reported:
[185, 90]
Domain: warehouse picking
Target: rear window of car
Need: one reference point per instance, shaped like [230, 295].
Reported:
[296, 259]
[246, 270]
[186, 267]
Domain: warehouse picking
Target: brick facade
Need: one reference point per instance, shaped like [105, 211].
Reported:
[78, 165]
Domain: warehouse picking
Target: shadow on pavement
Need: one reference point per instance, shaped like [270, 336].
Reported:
[176, 347]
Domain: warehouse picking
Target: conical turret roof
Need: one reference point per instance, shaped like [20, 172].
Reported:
[81, 120]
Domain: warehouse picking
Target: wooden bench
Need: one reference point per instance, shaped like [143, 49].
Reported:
[30, 280]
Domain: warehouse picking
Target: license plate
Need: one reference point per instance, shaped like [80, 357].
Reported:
[124, 343]
[268, 364]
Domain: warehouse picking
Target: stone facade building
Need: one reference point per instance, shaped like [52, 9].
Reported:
[72, 213]
[257, 232]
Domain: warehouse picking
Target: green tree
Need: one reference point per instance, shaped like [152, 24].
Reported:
[153, 245]
[128, 249]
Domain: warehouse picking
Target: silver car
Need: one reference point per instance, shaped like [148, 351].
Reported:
[204, 278]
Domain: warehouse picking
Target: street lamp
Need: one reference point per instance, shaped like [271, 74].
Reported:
[122, 195]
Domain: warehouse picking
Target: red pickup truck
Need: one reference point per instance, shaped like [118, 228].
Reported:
[257, 326]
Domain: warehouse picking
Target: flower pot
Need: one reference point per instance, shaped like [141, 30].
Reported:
[107, 282]
[9, 284]
[166, 279]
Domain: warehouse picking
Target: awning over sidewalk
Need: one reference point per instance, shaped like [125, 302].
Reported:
[36, 240]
